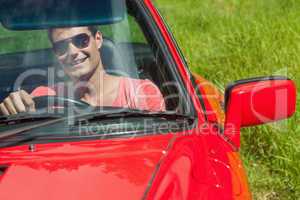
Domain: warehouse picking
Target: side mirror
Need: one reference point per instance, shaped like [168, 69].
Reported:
[257, 101]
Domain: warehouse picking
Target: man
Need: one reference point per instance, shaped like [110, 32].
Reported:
[77, 49]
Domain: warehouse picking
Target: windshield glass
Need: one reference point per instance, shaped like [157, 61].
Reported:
[83, 60]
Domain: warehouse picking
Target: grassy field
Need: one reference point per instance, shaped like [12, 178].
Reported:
[226, 40]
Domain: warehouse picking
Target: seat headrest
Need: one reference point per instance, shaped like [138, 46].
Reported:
[114, 62]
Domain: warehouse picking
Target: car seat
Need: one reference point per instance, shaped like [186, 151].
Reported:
[117, 62]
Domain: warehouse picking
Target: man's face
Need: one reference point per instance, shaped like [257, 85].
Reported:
[78, 50]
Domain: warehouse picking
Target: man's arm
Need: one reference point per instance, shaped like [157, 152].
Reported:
[148, 97]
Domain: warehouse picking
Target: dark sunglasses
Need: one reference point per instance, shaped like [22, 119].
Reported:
[80, 41]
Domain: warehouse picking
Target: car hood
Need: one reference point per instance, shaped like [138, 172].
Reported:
[102, 169]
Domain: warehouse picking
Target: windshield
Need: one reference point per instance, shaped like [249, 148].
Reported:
[104, 55]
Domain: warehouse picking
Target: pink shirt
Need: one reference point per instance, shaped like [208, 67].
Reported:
[133, 93]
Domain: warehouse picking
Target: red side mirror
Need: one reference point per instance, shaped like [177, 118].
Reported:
[257, 101]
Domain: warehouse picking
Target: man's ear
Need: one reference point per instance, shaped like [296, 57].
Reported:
[99, 39]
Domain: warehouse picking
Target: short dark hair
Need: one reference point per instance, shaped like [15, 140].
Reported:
[92, 29]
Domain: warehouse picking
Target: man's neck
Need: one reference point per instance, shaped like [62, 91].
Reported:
[97, 85]
[97, 79]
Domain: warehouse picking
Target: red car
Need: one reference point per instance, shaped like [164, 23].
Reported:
[188, 148]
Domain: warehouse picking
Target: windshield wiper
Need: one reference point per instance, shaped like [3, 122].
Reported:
[96, 116]
[88, 117]
[46, 122]
[27, 117]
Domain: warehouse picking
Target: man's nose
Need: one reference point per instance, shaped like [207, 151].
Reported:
[72, 50]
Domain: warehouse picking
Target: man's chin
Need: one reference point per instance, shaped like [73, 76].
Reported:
[75, 67]
[80, 75]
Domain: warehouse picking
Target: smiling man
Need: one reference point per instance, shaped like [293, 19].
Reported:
[77, 49]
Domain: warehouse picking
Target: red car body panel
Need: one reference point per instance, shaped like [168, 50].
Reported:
[227, 162]
[100, 169]
[195, 164]
[190, 165]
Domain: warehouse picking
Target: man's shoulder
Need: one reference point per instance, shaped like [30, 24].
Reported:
[145, 93]
[137, 84]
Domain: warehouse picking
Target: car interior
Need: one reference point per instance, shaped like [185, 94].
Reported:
[115, 60]
[140, 60]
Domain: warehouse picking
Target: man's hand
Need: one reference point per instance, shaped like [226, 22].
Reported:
[17, 102]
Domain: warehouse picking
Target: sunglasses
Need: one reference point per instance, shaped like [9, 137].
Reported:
[80, 41]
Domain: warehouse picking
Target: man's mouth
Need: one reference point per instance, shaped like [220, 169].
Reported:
[78, 61]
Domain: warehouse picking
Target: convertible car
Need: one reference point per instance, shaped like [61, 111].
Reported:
[69, 149]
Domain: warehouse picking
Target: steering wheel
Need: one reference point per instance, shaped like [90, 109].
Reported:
[58, 104]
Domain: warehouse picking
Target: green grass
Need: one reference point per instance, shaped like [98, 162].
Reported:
[226, 40]
[19, 41]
